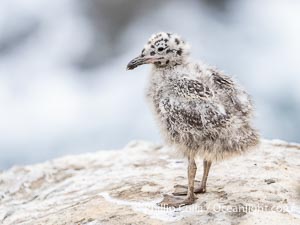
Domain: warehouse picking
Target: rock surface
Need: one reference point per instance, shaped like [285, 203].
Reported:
[123, 187]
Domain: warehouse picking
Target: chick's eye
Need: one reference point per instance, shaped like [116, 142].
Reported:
[160, 49]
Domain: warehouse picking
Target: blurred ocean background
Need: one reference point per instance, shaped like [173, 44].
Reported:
[63, 84]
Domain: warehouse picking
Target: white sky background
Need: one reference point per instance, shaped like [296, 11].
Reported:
[50, 108]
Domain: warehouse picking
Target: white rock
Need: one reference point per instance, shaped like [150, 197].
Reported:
[123, 187]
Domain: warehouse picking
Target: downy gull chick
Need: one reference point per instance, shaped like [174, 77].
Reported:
[200, 111]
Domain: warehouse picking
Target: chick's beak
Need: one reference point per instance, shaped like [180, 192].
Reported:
[139, 61]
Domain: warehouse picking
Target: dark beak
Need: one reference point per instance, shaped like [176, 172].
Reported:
[139, 61]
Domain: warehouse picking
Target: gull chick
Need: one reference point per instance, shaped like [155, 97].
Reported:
[200, 111]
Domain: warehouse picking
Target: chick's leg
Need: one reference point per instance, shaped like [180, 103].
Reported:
[171, 201]
[183, 189]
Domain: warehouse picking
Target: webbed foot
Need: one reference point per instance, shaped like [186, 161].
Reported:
[172, 201]
[183, 189]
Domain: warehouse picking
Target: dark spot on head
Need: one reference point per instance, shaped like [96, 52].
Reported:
[177, 41]
[157, 42]
[169, 50]
[152, 53]
[152, 46]
[169, 35]
[143, 51]
[167, 62]
[160, 49]
[157, 63]
[149, 42]
[179, 52]
[166, 40]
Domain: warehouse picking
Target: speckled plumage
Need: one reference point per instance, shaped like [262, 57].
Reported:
[200, 110]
